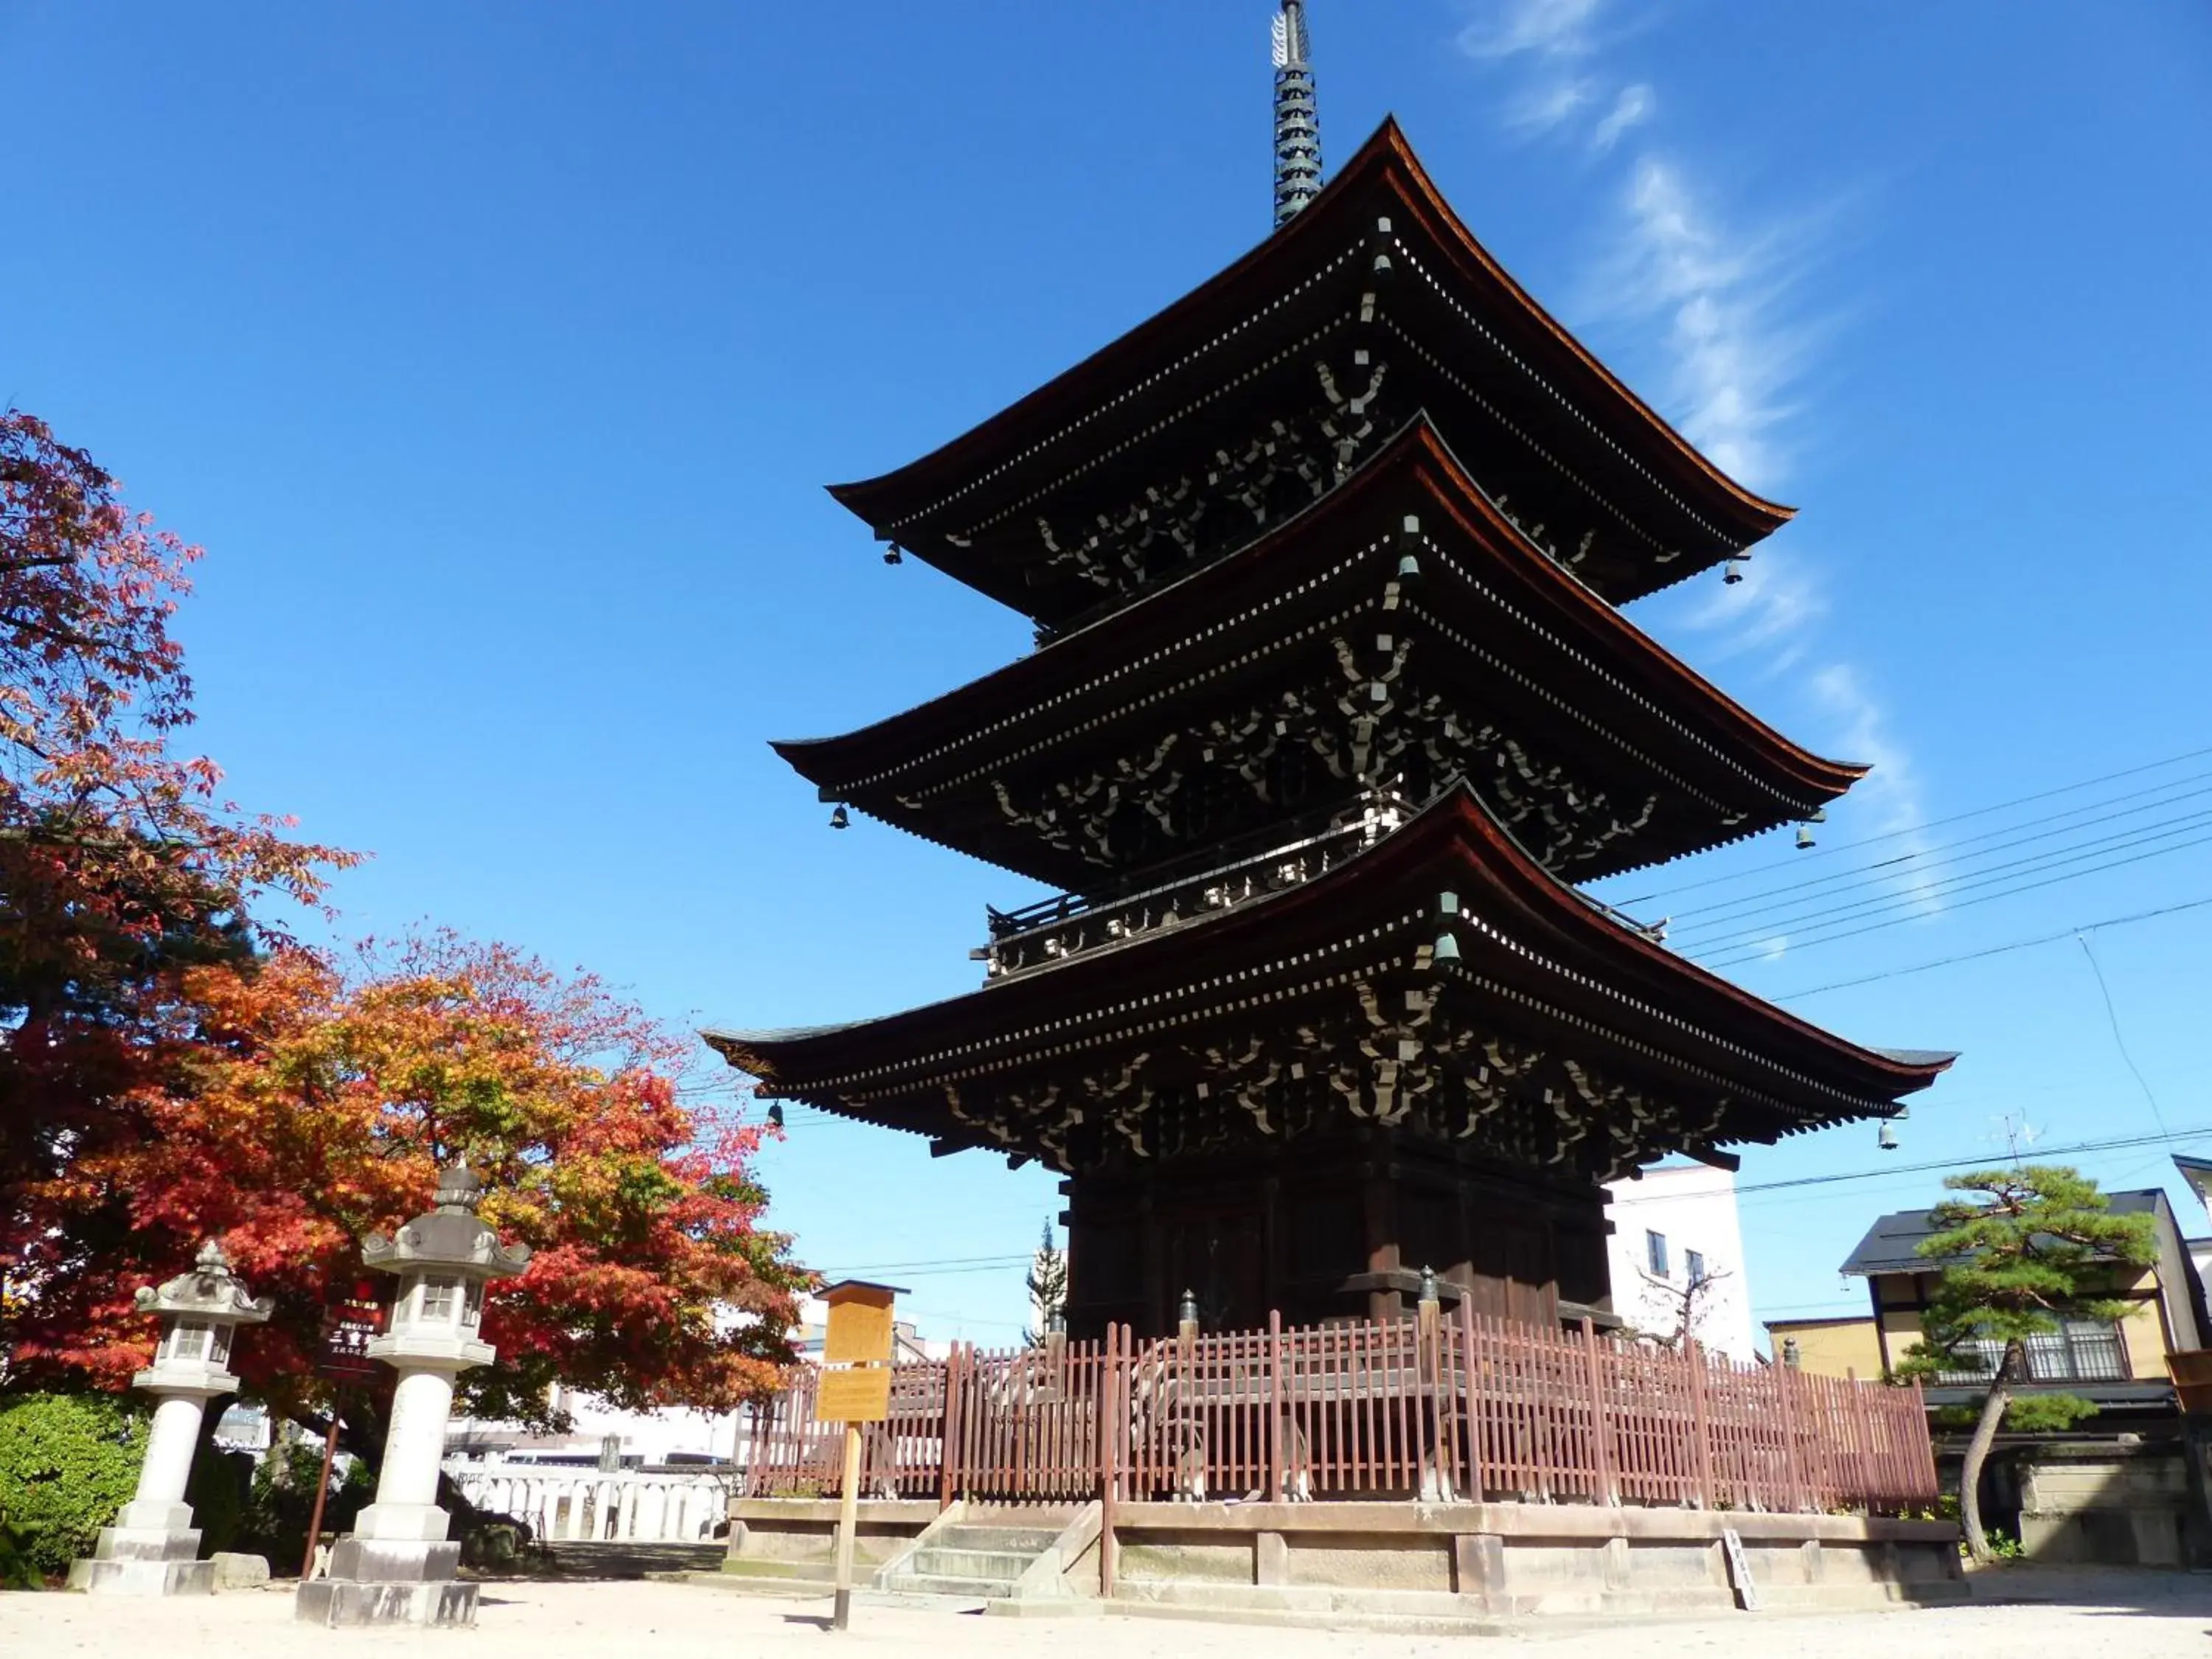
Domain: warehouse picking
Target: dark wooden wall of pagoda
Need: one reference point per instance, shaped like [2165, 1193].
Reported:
[1330, 1228]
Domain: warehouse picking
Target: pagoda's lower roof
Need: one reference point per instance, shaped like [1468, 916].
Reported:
[1119, 744]
[1442, 983]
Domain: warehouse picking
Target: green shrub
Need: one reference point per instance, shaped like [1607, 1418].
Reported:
[217, 1492]
[68, 1462]
[283, 1498]
[17, 1571]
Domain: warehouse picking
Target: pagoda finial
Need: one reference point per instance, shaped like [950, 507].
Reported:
[1298, 126]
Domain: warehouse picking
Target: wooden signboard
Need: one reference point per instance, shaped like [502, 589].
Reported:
[347, 1325]
[860, 1395]
[859, 1333]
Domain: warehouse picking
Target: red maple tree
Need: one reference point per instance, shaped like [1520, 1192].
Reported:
[311, 1106]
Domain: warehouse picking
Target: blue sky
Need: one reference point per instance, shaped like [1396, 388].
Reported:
[497, 354]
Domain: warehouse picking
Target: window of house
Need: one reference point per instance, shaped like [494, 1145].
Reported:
[1655, 1251]
[1693, 1263]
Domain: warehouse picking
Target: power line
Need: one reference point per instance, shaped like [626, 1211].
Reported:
[1890, 1171]
[1883, 870]
[1741, 930]
[2115, 1144]
[1924, 893]
[1964, 904]
[1994, 949]
[934, 1264]
[1804, 859]
[2120, 1042]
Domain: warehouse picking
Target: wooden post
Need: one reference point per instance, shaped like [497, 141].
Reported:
[1113, 1407]
[1862, 1425]
[848, 1524]
[1694, 1358]
[1601, 1421]
[1275, 1405]
[1925, 1442]
[1471, 1368]
[1785, 1379]
[322, 1490]
[948, 1440]
[1433, 1481]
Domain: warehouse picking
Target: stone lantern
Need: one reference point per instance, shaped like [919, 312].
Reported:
[153, 1547]
[397, 1566]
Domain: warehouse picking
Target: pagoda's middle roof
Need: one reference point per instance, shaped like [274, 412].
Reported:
[1530, 959]
[1378, 258]
[1491, 630]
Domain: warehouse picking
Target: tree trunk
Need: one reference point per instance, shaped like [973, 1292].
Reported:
[1977, 1453]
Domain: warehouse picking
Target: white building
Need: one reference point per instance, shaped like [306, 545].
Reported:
[1676, 1253]
[671, 1435]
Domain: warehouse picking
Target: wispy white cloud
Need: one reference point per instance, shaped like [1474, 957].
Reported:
[1735, 350]
[1889, 799]
[1631, 108]
[1549, 105]
[1544, 28]
[1771, 610]
[1727, 301]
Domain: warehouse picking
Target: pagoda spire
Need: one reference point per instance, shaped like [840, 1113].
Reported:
[1298, 126]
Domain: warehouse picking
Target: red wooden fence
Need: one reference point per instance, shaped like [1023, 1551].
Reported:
[1461, 1406]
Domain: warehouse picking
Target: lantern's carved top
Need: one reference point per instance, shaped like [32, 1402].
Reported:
[449, 1237]
[207, 1290]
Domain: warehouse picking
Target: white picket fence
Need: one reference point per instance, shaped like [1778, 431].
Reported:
[629, 1505]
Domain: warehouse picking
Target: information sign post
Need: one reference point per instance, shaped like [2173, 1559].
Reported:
[347, 1327]
[856, 1388]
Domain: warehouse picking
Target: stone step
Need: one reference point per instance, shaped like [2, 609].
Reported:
[932, 1562]
[1301, 1598]
[1389, 1624]
[1050, 1516]
[972, 1590]
[1031, 1541]
[927, 1601]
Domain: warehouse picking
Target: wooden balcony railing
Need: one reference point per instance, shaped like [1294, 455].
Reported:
[1052, 929]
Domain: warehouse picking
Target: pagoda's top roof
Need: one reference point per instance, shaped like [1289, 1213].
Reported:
[1505, 632]
[1530, 953]
[1538, 401]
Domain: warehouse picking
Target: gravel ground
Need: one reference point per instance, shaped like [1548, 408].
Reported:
[2071, 1616]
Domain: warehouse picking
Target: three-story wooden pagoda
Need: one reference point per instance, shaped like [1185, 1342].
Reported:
[1333, 706]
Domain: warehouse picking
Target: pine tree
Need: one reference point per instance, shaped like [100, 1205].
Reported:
[1048, 1286]
[2033, 1247]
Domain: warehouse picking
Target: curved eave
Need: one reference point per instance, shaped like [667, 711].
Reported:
[1058, 672]
[896, 499]
[1489, 850]
[1507, 897]
[1475, 262]
[1454, 490]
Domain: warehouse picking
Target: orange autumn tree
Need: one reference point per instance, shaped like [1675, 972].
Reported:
[299, 1107]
